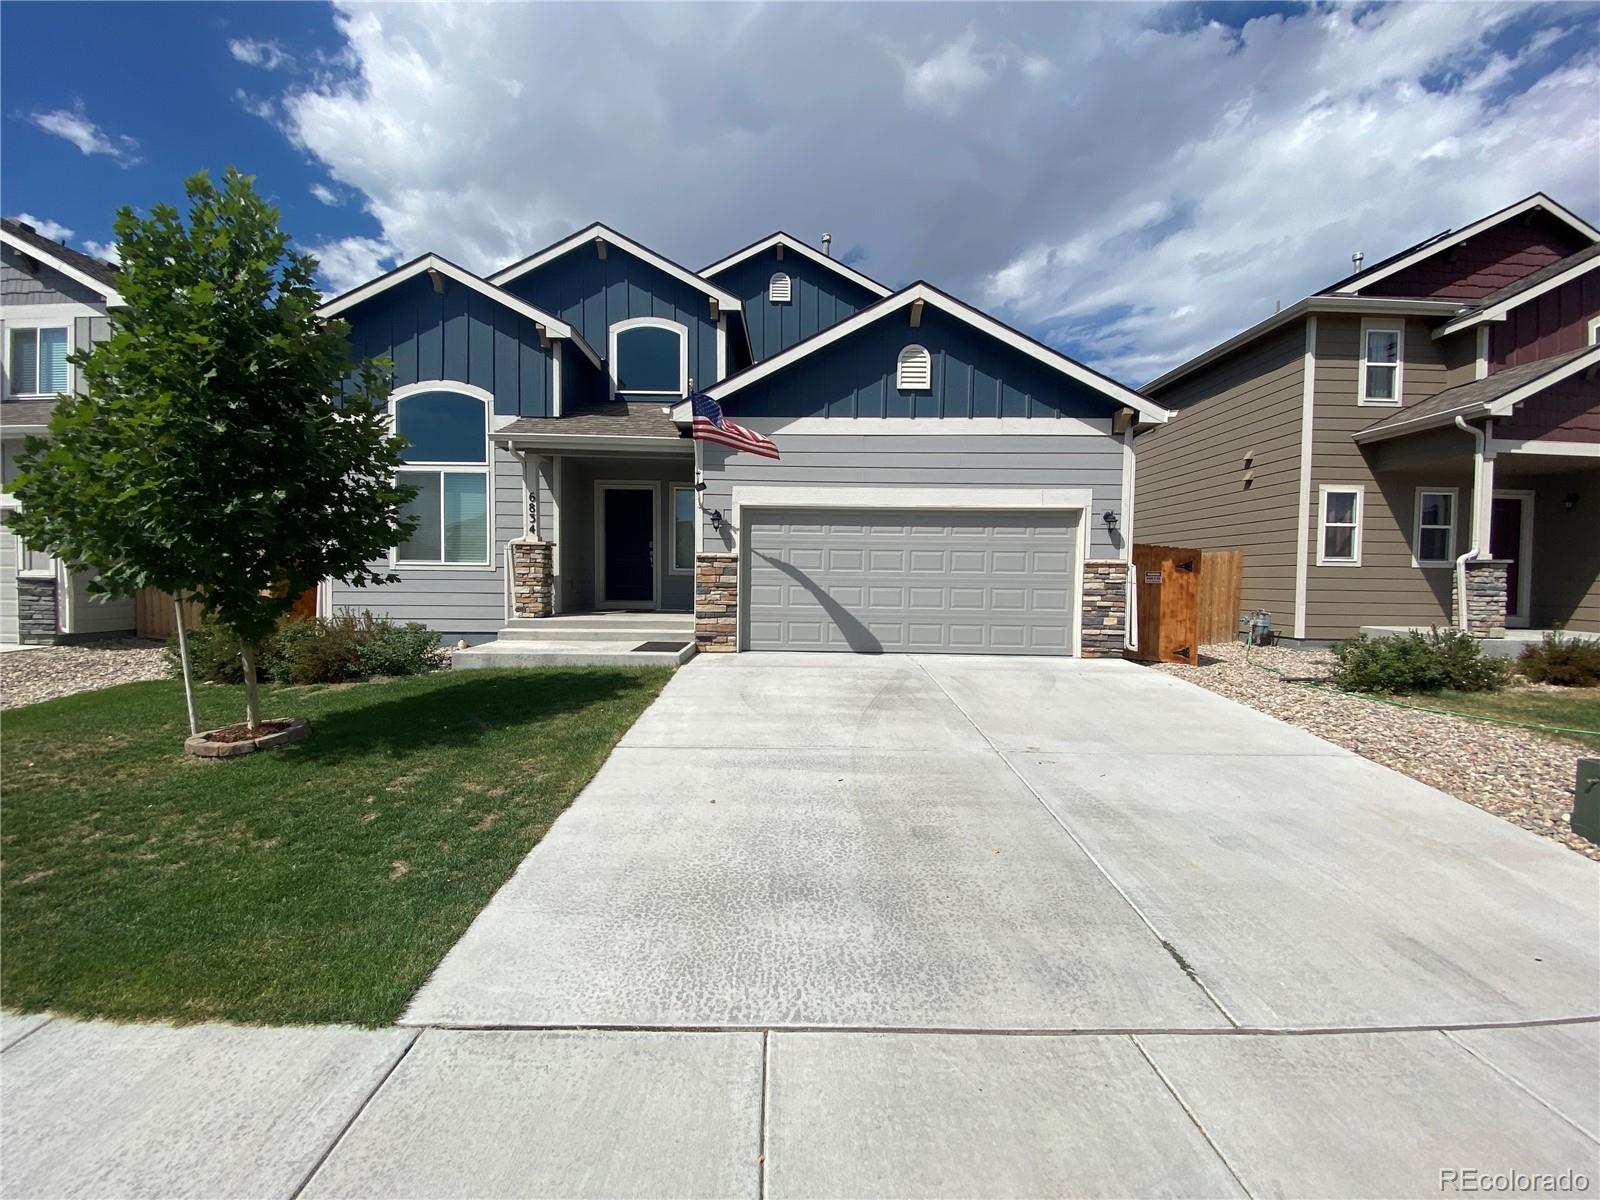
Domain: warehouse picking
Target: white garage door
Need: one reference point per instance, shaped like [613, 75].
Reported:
[898, 581]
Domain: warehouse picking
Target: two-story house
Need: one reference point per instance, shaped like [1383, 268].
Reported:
[1416, 445]
[945, 482]
[53, 301]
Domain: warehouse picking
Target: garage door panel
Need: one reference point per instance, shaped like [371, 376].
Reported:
[936, 582]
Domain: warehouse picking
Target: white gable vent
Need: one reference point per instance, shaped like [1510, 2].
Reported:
[778, 289]
[914, 371]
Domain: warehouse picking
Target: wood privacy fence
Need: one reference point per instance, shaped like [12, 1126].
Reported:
[1185, 598]
[153, 615]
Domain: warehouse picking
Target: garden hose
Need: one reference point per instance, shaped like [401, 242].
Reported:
[1250, 641]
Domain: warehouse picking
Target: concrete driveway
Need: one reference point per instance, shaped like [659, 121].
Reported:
[831, 926]
[838, 842]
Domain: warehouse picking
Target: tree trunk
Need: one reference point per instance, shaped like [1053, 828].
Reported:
[252, 693]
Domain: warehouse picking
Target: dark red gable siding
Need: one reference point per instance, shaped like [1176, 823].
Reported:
[1516, 247]
[1550, 324]
[1568, 411]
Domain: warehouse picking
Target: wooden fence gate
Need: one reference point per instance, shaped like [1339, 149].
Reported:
[1186, 598]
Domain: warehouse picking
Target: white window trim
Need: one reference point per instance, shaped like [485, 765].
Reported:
[672, 525]
[1594, 331]
[486, 469]
[899, 369]
[1322, 523]
[1370, 325]
[621, 327]
[788, 288]
[13, 324]
[1449, 558]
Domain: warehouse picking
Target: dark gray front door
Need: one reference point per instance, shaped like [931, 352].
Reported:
[628, 546]
[901, 581]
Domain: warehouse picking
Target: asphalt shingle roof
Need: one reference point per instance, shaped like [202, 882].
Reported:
[616, 418]
[1480, 393]
[95, 268]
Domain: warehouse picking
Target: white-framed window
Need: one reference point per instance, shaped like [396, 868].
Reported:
[1339, 525]
[649, 357]
[1594, 331]
[1433, 541]
[1383, 345]
[778, 289]
[31, 563]
[36, 359]
[447, 461]
[685, 528]
[913, 371]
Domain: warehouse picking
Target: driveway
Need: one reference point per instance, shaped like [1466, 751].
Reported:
[901, 842]
[832, 926]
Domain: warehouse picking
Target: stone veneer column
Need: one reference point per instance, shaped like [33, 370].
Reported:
[533, 584]
[1486, 597]
[36, 611]
[1105, 608]
[716, 602]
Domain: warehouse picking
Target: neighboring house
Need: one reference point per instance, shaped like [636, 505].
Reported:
[1432, 420]
[53, 301]
[946, 483]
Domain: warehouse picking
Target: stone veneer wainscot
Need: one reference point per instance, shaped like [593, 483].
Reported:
[716, 602]
[1105, 607]
[533, 590]
[1486, 597]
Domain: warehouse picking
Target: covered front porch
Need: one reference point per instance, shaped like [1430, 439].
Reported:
[1500, 500]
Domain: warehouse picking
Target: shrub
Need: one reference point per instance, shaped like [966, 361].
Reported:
[390, 649]
[316, 650]
[1568, 662]
[1417, 662]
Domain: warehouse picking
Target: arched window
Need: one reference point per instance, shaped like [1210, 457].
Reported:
[778, 289]
[447, 461]
[914, 370]
[649, 357]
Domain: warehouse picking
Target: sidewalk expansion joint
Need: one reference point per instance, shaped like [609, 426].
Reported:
[356, 1115]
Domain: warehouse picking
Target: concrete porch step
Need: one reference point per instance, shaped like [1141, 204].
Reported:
[603, 627]
[551, 652]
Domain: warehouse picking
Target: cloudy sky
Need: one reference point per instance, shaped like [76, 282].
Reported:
[1129, 182]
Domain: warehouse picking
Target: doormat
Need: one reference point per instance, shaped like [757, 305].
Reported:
[659, 647]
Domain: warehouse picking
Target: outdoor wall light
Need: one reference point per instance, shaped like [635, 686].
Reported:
[1569, 501]
[1110, 518]
[716, 519]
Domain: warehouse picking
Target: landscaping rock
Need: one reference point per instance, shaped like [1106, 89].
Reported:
[1516, 774]
[29, 676]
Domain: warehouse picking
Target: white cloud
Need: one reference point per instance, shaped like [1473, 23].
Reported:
[348, 262]
[262, 107]
[74, 125]
[109, 251]
[45, 227]
[1130, 188]
[268, 55]
[326, 194]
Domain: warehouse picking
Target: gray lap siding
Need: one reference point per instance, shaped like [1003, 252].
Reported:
[1091, 460]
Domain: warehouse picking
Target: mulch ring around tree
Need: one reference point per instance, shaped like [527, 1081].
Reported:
[232, 741]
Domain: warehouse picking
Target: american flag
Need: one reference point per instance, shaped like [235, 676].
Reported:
[711, 426]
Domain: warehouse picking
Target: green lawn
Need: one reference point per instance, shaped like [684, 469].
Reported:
[317, 883]
[1573, 708]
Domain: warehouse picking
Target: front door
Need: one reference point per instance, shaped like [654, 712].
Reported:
[627, 547]
[1509, 526]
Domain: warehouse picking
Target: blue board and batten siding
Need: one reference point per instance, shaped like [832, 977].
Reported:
[818, 298]
[973, 376]
[459, 335]
[593, 294]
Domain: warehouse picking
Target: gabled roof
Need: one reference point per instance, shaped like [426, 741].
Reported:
[95, 274]
[1497, 304]
[934, 298]
[724, 298]
[553, 326]
[1492, 396]
[793, 243]
[1454, 237]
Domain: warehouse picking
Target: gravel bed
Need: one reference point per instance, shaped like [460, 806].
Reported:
[29, 676]
[1514, 773]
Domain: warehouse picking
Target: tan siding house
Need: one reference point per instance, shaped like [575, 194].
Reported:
[1324, 443]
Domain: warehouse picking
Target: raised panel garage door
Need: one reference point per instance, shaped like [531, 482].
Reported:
[892, 581]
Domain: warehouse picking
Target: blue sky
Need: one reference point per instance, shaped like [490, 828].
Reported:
[1129, 182]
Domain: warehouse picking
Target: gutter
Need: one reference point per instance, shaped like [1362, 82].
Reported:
[1479, 439]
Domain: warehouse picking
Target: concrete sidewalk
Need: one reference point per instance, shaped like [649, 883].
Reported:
[95, 1110]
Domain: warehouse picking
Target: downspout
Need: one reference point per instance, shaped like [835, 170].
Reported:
[1130, 635]
[1472, 551]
